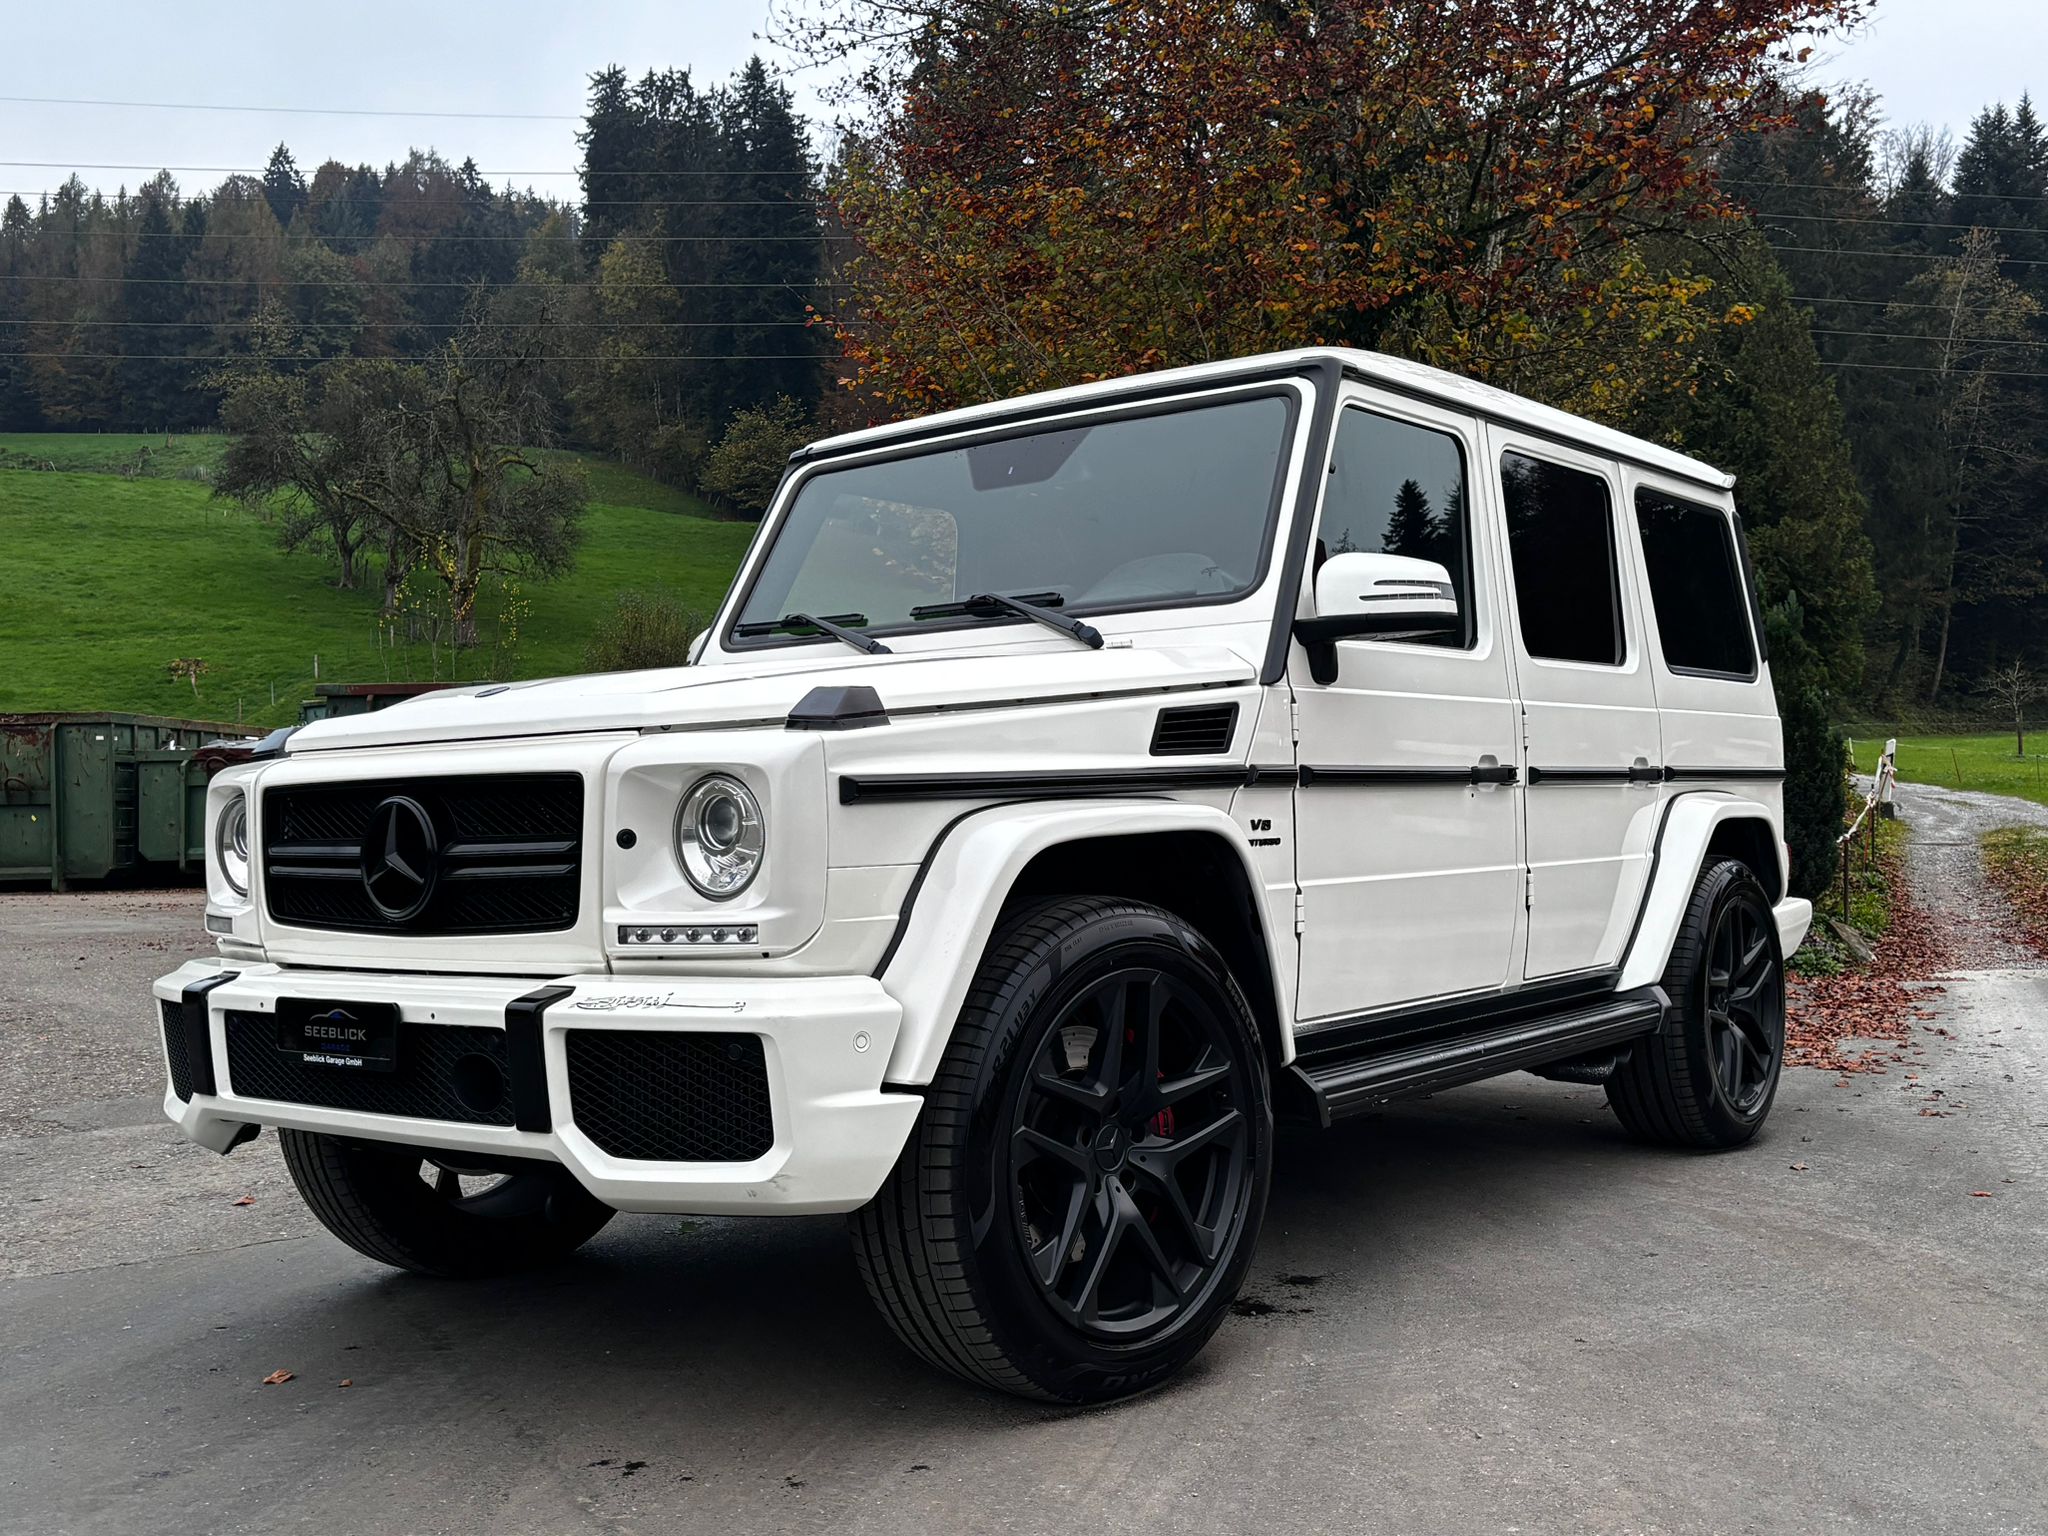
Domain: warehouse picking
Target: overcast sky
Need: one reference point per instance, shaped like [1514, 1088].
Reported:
[1931, 60]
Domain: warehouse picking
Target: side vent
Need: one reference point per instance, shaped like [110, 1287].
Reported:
[1202, 730]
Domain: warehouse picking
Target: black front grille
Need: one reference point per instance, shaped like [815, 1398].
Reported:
[509, 854]
[174, 1048]
[444, 1072]
[1201, 730]
[658, 1096]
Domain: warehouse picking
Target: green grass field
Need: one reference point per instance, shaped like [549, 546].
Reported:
[1967, 762]
[105, 578]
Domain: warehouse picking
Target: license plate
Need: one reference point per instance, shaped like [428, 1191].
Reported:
[360, 1037]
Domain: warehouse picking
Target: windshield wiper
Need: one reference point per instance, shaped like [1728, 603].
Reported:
[992, 605]
[834, 626]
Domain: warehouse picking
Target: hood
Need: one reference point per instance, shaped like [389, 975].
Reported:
[762, 693]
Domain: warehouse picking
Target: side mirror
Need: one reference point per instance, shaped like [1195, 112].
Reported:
[1379, 597]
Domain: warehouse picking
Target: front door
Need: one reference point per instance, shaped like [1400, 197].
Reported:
[1592, 755]
[1408, 860]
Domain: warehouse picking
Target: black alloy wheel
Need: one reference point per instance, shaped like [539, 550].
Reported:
[1745, 1002]
[435, 1213]
[1128, 1153]
[1082, 1195]
[1707, 1077]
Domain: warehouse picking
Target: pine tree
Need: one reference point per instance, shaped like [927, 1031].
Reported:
[155, 379]
[18, 409]
[777, 244]
[283, 187]
[614, 140]
[1412, 528]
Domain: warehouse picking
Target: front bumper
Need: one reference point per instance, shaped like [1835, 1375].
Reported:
[825, 1043]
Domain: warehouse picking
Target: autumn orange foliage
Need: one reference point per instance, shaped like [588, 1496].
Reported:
[1045, 194]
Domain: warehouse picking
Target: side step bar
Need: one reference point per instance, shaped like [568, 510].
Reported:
[1350, 1078]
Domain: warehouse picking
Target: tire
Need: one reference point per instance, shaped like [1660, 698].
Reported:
[1078, 1204]
[376, 1198]
[1707, 1078]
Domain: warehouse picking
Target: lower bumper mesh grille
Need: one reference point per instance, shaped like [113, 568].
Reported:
[656, 1096]
[445, 1072]
[174, 1048]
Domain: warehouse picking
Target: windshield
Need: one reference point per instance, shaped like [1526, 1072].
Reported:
[1175, 506]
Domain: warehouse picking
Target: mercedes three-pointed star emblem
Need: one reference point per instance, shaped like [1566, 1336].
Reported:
[401, 857]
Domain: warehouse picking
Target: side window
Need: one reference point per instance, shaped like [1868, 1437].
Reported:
[1399, 489]
[1696, 587]
[1561, 545]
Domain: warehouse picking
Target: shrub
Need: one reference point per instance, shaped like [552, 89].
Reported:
[1816, 790]
[743, 470]
[644, 629]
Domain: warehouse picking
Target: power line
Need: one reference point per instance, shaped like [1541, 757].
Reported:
[216, 106]
[135, 234]
[1836, 250]
[452, 202]
[1840, 186]
[243, 357]
[405, 325]
[346, 282]
[1842, 218]
[258, 170]
[1981, 341]
[1981, 373]
[1814, 298]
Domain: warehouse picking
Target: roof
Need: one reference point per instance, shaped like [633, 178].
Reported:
[1394, 373]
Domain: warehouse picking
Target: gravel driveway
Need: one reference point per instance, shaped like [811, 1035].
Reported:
[1945, 874]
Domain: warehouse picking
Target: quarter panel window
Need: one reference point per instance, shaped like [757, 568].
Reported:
[1399, 489]
[1561, 545]
[1696, 586]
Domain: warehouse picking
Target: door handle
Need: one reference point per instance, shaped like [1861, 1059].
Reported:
[1640, 772]
[1493, 773]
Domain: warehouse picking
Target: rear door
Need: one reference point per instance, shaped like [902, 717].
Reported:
[1592, 752]
[1720, 719]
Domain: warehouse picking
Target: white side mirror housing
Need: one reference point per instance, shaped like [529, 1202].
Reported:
[1398, 588]
[1373, 596]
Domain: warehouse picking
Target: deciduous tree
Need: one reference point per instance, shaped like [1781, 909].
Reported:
[1046, 194]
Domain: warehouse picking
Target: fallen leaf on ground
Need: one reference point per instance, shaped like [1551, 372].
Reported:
[348, 1381]
[1980, 1194]
[246, 1200]
[277, 1378]
[1799, 1167]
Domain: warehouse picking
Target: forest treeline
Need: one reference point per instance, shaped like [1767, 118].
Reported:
[678, 289]
[1849, 319]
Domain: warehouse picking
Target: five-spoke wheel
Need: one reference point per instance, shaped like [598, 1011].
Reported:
[433, 1213]
[1083, 1192]
[1707, 1078]
[1128, 1152]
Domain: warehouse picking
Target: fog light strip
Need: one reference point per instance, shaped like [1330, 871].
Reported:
[698, 935]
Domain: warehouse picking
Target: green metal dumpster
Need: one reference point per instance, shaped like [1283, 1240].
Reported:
[83, 797]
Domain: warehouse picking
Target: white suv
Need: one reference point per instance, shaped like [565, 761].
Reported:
[1066, 787]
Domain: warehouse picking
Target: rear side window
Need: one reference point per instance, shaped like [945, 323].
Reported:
[1696, 586]
[1561, 544]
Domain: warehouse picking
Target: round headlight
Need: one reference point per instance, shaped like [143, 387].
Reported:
[720, 836]
[231, 845]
